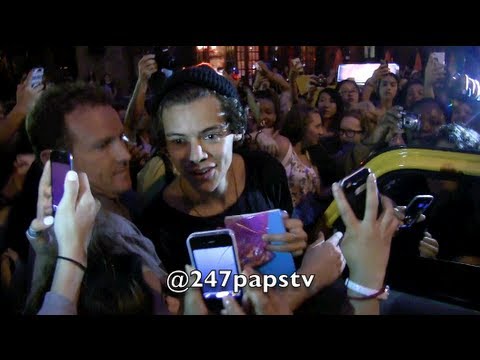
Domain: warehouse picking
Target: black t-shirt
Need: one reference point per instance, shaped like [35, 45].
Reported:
[266, 188]
[327, 168]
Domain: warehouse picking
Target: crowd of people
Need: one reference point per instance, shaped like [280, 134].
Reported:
[181, 158]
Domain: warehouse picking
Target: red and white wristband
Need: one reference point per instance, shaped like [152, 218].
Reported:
[368, 293]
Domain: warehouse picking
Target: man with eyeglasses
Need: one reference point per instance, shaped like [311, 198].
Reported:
[351, 133]
[351, 130]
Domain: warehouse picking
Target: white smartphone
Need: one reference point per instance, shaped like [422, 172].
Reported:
[214, 253]
[440, 56]
[296, 62]
[37, 77]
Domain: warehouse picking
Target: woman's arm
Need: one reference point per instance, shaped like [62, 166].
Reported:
[26, 98]
[136, 106]
[73, 227]
[371, 83]
[434, 72]
[273, 77]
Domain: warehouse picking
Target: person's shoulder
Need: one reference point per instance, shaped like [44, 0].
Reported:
[258, 158]
[282, 141]
[331, 144]
[318, 151]
[361, 151]
[155, 205]
[261, 165]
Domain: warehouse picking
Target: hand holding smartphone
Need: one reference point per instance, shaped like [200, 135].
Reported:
[214, 253]
[60, 162]
[297, 63]
[440, 56]
[37, 77]
[248, 229]
[354, 187]
[417, 206]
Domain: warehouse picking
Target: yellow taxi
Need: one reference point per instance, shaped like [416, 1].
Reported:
[450, 271]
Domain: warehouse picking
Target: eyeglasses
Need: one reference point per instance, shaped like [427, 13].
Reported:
[349, 133]
[210, 136]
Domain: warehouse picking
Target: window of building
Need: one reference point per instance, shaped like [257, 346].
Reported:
[247, 56]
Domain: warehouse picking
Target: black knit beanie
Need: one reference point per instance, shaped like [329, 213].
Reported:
[202, 75]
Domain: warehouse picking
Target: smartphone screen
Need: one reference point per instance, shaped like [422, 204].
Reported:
[440, 56]
[37, 77]
[61, 162]
[415, 208]
[212, 253]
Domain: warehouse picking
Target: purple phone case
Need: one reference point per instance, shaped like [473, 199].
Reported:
[249, 229]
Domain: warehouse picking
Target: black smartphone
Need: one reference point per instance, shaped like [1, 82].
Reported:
[355, 189]
[162, 58]
[60, 162]
[214, 254]
[415, 208]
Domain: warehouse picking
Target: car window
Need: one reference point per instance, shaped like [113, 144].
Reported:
[453, 219]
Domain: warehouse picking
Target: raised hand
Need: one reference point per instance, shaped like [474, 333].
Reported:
[366, 244]
[146, 67]
[434, 71]
[267, 143]
[388, 126]
[75, 217]
[255, 300]
[27, 96]
[379, 73]
[325, 260]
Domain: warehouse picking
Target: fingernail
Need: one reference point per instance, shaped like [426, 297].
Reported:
[372, 177]
[338, 234]
[48, 220]
[335, 187]
[264, 237]
[72, 175]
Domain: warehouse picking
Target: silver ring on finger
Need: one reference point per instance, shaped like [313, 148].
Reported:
[398, 214]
